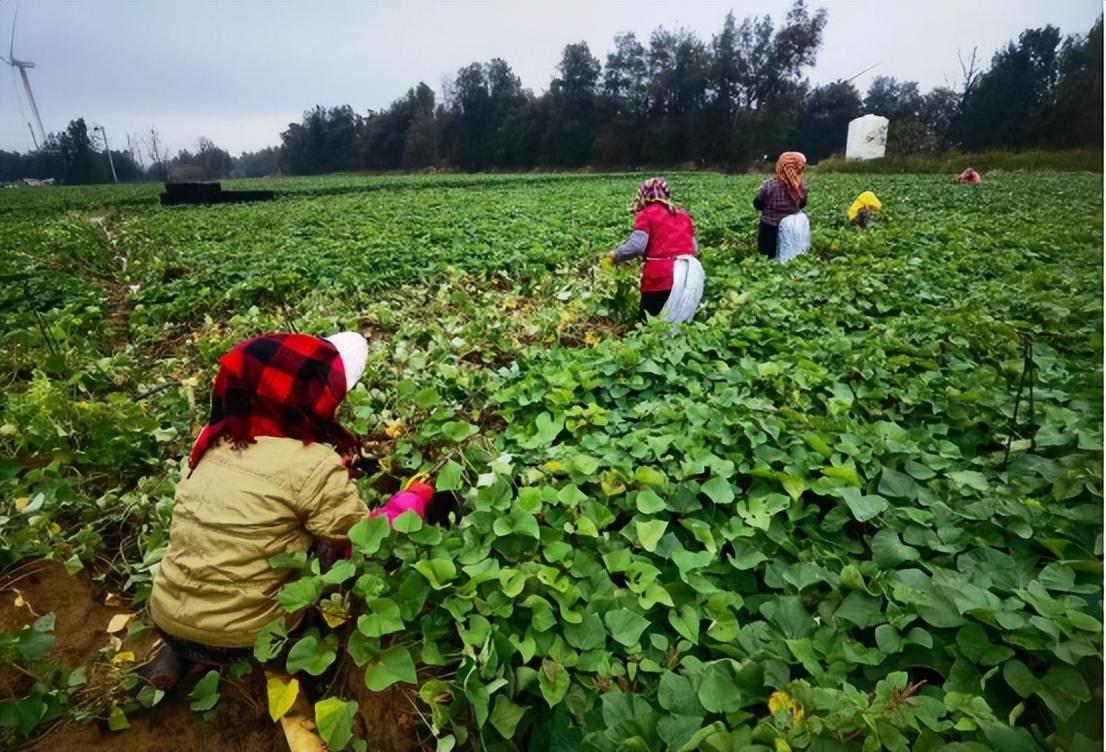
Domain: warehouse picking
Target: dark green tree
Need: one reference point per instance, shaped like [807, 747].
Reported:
[1077, 115]
[384, 138]
[823, 126]
[894, 99]
[625, 75]
[623, 102]
[421, 142]
[258, 164]
[940, 108]
[1011, 106]
[325, 141]
[469, 129]
[69, 156]
[570, 130]
[215, 163]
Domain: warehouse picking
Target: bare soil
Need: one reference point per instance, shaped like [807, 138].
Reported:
[173, 727]
[239, 723]
[45, 587]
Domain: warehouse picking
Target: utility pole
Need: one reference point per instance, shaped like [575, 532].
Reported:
[104, 135]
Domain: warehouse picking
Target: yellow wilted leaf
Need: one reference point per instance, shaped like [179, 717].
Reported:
[334, 618]
[119, 622]
[282, 696]
[395, 428]
[127, 656]
[21, 602]
[780, 701]
[55, 528]
[591, 339]
[335, 611]
[21, 503]
[112, 599]
[553, 466]
[299, 734]
[782, 746]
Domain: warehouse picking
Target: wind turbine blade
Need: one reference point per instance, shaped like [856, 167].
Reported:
[865, 71]
[11, 45]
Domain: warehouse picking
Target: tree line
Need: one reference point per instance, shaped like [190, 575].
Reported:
[675, 100]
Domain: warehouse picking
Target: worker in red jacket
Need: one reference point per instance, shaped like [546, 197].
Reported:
[662, 232]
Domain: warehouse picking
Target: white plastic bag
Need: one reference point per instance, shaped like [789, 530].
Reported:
[687, 290]
[794, 237]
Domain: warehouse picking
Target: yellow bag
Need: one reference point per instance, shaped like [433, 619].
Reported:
[866, 200]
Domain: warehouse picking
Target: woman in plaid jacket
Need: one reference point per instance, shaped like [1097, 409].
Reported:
[780, 197]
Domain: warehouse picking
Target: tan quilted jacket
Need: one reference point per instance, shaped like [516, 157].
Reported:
[239, 508]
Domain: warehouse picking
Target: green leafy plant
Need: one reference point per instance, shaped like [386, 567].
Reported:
[826, 515]
[205, 694]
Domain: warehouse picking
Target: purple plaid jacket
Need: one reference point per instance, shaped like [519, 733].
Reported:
[774, 202]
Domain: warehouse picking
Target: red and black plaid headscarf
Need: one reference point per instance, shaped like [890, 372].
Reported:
[287, 385]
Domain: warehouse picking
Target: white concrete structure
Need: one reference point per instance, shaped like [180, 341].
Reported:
[867, 138]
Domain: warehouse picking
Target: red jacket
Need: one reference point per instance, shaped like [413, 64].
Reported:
[670, 235]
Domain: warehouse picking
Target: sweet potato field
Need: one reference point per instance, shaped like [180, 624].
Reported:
[855, 505]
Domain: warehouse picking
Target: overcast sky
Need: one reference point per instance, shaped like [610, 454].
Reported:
[239, 72]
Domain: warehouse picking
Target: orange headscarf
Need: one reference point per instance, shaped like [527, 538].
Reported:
[789, 170]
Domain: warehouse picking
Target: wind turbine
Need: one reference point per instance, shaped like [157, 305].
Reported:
[22, 66]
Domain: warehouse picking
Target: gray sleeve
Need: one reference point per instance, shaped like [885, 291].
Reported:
[634, 247]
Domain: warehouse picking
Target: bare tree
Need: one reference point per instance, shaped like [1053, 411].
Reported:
[134, 148]
[970, 73]
[159, 155]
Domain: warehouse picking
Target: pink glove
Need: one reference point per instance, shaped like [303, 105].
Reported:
[416, 497]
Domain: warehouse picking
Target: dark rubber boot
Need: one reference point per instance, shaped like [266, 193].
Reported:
[165, 670]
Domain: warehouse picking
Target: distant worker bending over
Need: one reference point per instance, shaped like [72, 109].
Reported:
[664, 239]
[863, 209]
[778, 198]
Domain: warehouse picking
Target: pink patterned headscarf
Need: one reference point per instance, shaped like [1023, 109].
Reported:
[653, 191]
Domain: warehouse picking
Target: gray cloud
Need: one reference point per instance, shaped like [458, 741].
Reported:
[239, 72]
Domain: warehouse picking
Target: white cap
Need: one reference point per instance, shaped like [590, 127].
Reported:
[354, 351]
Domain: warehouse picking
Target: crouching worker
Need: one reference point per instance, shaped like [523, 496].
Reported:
[969, 177]
[664, 239]
[266, 476]
[861, 211]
